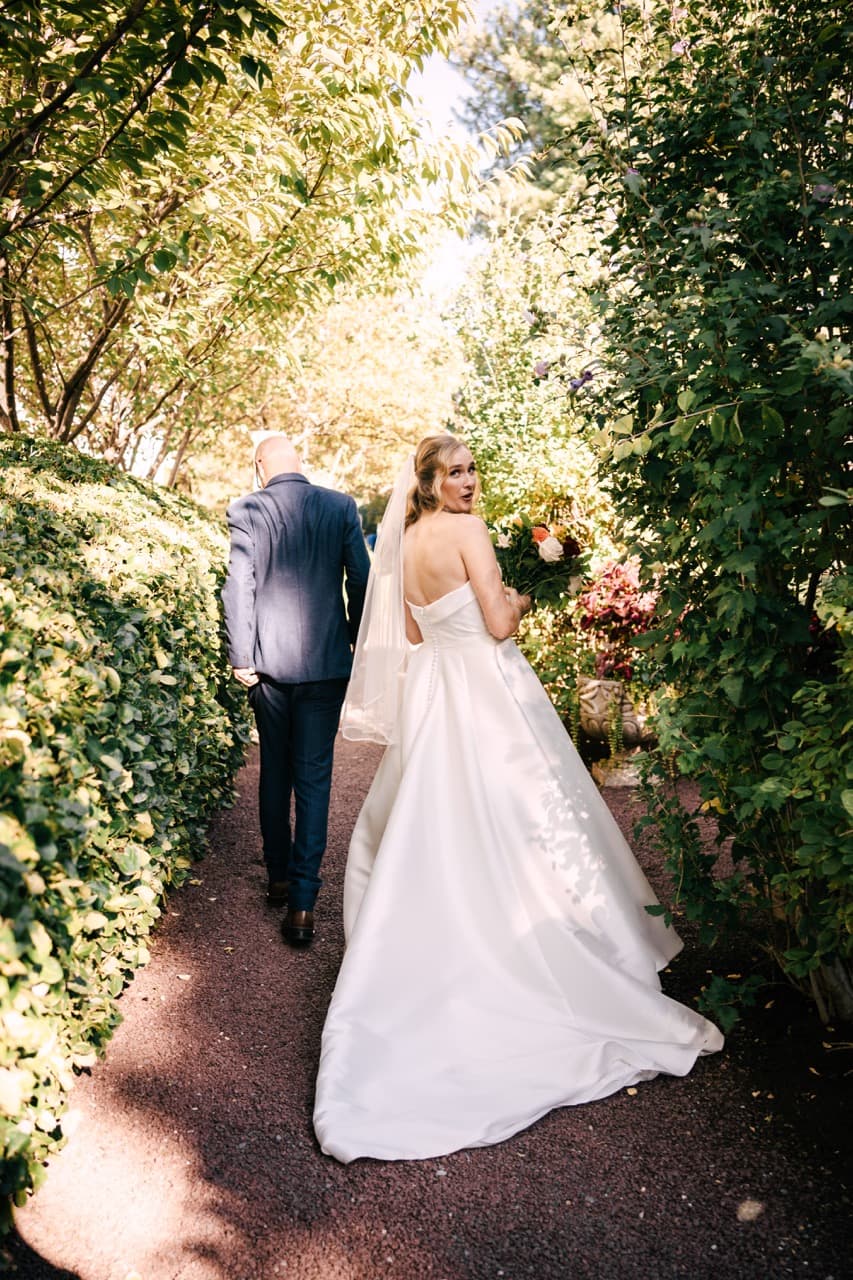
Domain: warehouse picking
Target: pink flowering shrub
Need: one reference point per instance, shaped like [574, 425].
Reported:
[612, 610]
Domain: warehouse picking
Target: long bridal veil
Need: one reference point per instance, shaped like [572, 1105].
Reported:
[371, 711]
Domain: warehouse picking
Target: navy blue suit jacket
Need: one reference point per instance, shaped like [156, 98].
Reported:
[292, 545]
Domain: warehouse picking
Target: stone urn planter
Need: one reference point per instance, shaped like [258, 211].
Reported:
[596, 697]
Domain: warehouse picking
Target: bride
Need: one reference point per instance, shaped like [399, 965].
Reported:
[500, 961]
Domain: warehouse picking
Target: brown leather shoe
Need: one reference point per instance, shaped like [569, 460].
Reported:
[277, 893]
[297, 928]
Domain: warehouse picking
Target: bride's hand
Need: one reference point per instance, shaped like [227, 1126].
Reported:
[521, 603]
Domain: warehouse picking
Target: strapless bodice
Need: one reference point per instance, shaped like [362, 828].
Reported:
[453, 618]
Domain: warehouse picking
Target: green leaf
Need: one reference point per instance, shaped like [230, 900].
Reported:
[733, 688]
[164, 260]
[772, 419]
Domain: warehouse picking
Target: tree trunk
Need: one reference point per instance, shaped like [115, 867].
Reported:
[64, 426]
[8, 407]
[179, 458]
[836, 981]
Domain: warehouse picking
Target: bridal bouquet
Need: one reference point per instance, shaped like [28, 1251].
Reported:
[539, 560]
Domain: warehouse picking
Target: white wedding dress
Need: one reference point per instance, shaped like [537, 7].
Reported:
[499, 959]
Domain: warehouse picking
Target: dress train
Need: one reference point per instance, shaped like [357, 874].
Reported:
[500, 961]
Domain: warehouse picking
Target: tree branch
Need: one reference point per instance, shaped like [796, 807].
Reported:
[108, 382]
[23, 132]
[199, 20]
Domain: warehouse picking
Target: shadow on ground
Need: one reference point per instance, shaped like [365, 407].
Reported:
[194, 1156]
[18, 1259]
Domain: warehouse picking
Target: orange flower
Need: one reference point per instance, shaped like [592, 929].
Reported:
[540, 532]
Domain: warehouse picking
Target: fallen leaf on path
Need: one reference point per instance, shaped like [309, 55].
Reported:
[749, 1210]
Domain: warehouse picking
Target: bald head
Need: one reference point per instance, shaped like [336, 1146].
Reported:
[275, 455]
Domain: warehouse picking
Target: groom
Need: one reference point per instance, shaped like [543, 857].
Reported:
[290, 635]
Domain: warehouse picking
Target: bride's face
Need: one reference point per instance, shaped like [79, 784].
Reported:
[459, 486]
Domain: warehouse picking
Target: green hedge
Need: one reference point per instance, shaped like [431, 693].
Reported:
[119, 734]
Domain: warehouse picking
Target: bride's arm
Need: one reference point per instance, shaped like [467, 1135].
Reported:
[502, 608]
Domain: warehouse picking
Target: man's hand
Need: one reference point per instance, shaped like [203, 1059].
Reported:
[246, 675]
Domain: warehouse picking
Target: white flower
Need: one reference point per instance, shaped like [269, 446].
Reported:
[504, 540]
[551, 550]
[575, 584]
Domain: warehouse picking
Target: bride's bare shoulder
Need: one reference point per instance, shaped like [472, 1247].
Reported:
[457, 521]
[457, 528]
[470, 527]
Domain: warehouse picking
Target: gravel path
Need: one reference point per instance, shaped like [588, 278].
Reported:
[193, 1156]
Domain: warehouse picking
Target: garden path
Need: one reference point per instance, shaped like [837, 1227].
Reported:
[193, 1156]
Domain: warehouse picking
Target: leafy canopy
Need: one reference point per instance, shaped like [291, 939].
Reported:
[182, 184]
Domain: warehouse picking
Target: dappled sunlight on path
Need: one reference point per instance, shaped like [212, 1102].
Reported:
[194, 1158]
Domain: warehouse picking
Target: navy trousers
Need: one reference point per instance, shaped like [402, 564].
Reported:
[297, 724]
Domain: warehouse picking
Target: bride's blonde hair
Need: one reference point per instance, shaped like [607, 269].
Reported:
[432, 465]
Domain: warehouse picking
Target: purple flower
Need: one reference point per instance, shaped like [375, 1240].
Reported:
[576, 383]
[822, 192]
[540, 370]
[680, 47]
